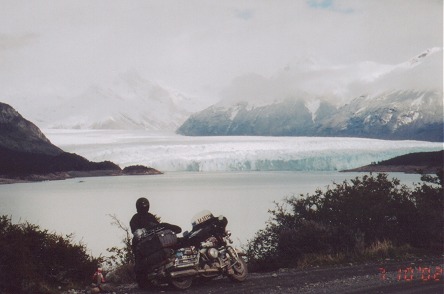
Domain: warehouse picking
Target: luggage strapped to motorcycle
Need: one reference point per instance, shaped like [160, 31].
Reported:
[154, 231]
[166, 236]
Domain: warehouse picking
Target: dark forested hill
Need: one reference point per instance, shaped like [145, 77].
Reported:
[20, 135]
[417, 159]
[24, 150]
[428, 162]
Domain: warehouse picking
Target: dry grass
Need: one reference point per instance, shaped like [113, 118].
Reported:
[376, 251]
[313, 259]
[385, 249]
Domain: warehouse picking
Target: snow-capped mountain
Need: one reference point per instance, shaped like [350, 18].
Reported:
[401, 101]
[403, 114]
[129, 102]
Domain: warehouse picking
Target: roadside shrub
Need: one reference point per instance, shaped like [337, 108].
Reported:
[121, 256]
[376, 251]
[121, 261]
[33, 260]
[262, 250]
[367, 216]
[428, 197]
[308, 237]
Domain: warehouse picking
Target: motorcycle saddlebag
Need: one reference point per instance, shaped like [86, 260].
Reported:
[149, 245]
[157, 241]
[167, 238]
[158, 257]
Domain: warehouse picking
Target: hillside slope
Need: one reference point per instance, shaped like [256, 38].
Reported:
[427, 162]
[25, 151]
[20, 135]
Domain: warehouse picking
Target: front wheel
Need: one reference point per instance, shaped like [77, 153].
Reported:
[240, 271]
[181, 283]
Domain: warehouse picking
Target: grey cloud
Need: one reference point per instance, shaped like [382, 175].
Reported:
[245, 14]
[198, 46]
[13, 42]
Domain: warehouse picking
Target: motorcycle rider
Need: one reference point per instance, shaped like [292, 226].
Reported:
[143, 219]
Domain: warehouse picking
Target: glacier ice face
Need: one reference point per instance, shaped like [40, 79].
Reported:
[169, 152]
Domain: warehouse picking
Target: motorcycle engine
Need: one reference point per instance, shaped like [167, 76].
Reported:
[186, 257]
[213, 253]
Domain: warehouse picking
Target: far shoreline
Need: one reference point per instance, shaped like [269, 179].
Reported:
[412, 163]
[407, 169]
[59, 176]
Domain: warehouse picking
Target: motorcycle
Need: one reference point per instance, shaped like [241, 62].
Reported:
[205, 252]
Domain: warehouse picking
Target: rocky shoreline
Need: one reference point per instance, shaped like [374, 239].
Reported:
[57, 176]
[408, 169]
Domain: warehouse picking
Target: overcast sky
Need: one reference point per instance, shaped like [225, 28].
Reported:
[58, 48]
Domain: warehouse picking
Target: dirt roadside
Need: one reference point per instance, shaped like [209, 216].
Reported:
[418, 276]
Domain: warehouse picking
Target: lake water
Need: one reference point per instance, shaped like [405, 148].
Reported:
[82, 206]
[239, 177]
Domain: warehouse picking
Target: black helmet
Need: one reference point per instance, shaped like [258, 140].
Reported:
[142, 205]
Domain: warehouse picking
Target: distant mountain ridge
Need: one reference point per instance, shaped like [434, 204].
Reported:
[412, 115]
[402, 101]
[128, 102]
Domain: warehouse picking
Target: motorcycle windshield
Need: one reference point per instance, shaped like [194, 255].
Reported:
[201, 217]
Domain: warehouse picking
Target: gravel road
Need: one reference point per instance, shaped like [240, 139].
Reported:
[418, 276]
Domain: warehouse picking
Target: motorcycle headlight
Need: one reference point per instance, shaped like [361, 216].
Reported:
[213, 252]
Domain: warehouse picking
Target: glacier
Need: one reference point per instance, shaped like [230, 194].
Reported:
[171, 152]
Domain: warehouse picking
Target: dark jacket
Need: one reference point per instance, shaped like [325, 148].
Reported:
[143, 220]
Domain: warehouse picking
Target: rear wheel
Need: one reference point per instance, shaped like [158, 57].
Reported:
[240, 271]
[181, 283]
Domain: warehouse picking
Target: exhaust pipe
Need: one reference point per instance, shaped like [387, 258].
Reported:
[192, 272]
[184, 273]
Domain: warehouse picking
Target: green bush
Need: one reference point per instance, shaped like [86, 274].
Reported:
[349, 218]
[33, 260]
[429, 202]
